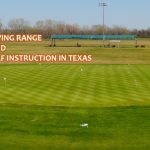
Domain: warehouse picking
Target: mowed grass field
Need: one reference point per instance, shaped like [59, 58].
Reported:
[43, 105]
[126, 54]
[75, 85]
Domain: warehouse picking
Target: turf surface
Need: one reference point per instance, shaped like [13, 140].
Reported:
[43, 105]
[75, 85]
[58, 128]
[126, 54]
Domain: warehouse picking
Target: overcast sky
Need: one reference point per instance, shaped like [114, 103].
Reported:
[127, 13]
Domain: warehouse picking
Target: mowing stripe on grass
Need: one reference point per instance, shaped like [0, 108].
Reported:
[75, 85]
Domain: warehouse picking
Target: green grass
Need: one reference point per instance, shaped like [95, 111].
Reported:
[67, 85]
[126, 54]
[43, 105]
[58, 128]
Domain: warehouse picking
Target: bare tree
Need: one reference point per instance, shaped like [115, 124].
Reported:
[18, 25]
[40, 25]
[118, 30]
[1, 25]
[60, 28]
[48, 27]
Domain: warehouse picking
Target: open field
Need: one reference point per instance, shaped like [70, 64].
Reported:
[58, 128]
[43, 105]
[126, 54]
[67, 85]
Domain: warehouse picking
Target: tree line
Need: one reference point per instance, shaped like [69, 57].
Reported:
[49, 27]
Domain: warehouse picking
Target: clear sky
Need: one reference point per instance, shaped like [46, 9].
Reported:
[127, 13]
